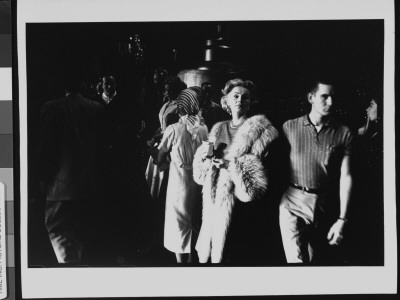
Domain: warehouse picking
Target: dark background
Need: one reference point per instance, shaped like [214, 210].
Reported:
[279, 56]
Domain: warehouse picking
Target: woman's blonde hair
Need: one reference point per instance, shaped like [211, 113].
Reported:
[248, 84]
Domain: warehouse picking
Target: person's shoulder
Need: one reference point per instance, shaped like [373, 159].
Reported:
[203, 127]
[54, 103]
[89, 102]
[94, 103]
[347, 131]
[172, 129]
[98, 99]
[295, 120]
[292, 126]
[221, 124]
[218, 127]
[177, 125]
[339, 125]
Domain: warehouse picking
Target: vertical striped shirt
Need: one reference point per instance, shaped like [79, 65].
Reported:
[315, 157]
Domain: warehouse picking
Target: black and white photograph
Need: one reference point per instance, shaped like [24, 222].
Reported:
[166, 147]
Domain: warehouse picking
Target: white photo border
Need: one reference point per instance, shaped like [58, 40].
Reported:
[212, 281]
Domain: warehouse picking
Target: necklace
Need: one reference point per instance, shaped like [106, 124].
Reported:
[236, 126]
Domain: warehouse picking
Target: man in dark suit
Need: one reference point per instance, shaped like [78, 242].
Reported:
[109, 88]
[67, 151]
[125, 202]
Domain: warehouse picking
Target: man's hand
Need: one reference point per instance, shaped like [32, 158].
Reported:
[335, 234]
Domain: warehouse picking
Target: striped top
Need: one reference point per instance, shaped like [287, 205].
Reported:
[315, 157]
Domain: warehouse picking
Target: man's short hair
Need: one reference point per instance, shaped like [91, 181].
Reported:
[313, 86]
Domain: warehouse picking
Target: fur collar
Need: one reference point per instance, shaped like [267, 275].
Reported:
[253, 137]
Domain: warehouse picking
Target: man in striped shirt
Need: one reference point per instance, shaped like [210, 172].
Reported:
[313, 210]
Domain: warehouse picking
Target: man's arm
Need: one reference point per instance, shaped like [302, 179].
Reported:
[346, 183]
[335, 234]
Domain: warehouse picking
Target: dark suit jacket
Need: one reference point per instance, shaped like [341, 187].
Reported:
[68, 147]
[122, 149]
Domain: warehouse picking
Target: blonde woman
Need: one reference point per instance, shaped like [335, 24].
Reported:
[234, 175]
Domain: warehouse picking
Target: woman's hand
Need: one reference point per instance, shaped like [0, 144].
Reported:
[220, 163]
[203, 152]
[363, 130]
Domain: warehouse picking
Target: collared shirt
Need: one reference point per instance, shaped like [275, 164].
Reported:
[315, 157]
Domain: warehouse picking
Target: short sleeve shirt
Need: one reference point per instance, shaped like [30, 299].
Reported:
[315, 157]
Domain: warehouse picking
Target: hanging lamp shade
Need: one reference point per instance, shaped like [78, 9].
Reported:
[217, 66]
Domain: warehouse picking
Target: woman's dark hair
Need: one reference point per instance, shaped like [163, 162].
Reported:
[175, 86]
[378, 101]
[161, 71]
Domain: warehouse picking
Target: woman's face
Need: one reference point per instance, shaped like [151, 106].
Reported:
[158, 78]
[166, 90]
[372, 111]
[238, 99]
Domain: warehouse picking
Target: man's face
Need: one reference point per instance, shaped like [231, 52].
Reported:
[322, 99]
[108, 86]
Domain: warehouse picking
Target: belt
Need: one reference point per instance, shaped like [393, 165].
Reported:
[305, 189]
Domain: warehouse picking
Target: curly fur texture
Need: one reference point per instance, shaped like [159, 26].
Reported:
[248, 176]
[244, 179]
